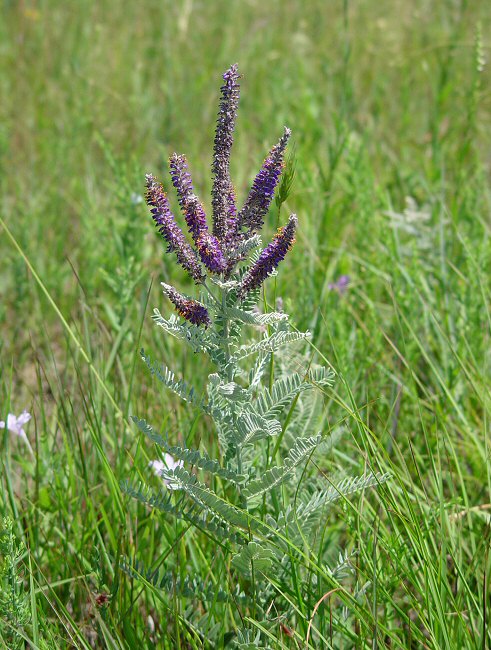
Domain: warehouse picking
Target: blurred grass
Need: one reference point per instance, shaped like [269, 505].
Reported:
[386, 100]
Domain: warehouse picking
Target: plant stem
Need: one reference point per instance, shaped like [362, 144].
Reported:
[230, 372]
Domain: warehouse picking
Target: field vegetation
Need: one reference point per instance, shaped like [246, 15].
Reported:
[389, 104]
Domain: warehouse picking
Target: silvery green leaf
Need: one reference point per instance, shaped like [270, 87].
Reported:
[233, 391]
[270, 403]
[269, 344]
[257, 372]
[177, 386]
[276, 475]
[190, 456]
[247, 245]
[253, 318]
[163, 501]
[214, 379]
[307, 514]
[196, 337]
[321, 376]
[209, 500]
[253, 555]
[229, 284]
[252, 427]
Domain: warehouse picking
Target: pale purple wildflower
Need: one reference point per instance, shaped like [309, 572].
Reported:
[160, 467]
[341, 284]
[16, 425]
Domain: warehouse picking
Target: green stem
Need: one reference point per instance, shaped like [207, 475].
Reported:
[212, 296]
[230, 372]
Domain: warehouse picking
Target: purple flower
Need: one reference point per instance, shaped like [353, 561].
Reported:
[223, 194]
[160, 467]
[181, 178]
[192, 310]
[170, 231]
[15, 424]
[263, 188]
[232, 220]
[210, 253]
[341, 284]
[208, 246]
[270, 257]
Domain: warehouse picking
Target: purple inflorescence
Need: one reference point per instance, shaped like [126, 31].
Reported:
[193, 210]
[170, 231]
[341, 284]
[223, 193]
[270, 257]
[208, 246]
[263, 188]
[232, 221]
[192, 310]
[222, 248]
[210, 253]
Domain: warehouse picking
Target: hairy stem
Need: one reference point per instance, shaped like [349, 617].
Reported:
[230, 370]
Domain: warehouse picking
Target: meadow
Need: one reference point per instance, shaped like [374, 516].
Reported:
[389, 104]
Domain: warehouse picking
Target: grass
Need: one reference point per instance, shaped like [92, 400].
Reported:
[386, 100]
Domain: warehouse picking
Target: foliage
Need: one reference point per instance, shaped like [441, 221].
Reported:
[14, 602]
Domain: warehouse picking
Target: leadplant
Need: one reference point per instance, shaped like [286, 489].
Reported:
[250, 498]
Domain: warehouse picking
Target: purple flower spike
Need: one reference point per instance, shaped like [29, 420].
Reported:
[223, 192]
[232, 222]
[170, 231]
[181, 178]
[270, 257]
[263, 188]
[193, 210]
[192, 310]
[341, 284]
[195, 216]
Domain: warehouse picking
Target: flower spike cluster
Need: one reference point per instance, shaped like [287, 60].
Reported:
[222, 248]
[181, 179]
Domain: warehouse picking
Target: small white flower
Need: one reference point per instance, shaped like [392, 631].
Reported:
[160, 466]
[150, 624]
[16, 425]
[136, 199]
